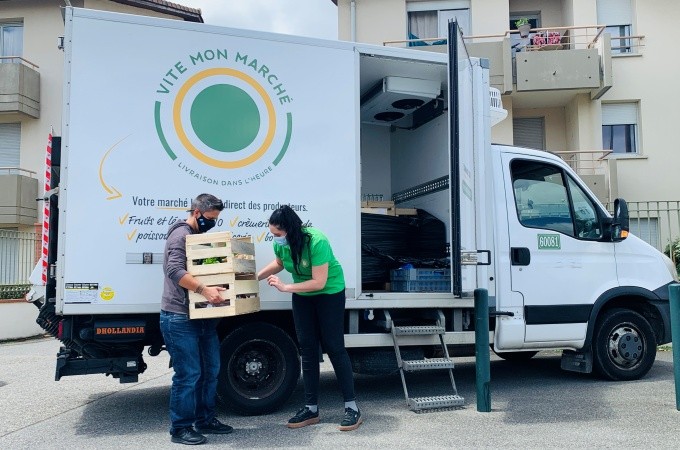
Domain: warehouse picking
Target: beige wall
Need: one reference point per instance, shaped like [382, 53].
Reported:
[43, 24]
[489, 16]
[377, 20]
[17, 320]
[651, 78]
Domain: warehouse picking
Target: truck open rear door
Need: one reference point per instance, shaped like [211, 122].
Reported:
[466, 147]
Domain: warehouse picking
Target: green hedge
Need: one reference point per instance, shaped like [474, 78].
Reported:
[675, 248]
[12, 291]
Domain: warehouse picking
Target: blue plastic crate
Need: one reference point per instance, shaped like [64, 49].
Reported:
[420, 280]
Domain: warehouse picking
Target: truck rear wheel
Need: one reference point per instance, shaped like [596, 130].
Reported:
[624, 345]
[260, 369]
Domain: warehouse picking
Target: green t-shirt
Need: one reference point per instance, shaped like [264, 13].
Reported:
[320, 254]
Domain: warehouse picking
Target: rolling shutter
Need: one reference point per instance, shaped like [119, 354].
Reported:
[10, 140]
[614, 12]
[619, 113]
[529, 132]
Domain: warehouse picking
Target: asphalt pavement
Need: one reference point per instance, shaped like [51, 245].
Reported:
[534, 405]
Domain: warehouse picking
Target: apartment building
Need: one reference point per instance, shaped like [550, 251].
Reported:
[31, 83]
[592, 82]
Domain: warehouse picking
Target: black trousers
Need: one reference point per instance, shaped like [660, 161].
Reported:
[321, 318]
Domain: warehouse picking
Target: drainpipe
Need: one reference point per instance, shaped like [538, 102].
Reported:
[353, 20]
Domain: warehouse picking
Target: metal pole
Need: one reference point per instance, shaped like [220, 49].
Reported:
[674, 292]
[482, 358]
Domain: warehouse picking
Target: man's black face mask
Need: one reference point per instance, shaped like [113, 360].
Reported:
[205, 224]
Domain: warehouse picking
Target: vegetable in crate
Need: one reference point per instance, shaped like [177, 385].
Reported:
[212, 260]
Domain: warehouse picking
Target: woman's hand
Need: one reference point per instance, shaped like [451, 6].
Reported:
[273, 280]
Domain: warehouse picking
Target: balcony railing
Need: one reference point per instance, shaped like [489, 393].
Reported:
[585, 162]
[18, 59]
[572, 37]
[655, 222]
[19, 252]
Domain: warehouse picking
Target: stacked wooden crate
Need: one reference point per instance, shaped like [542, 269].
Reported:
[386, 208]
[234, 271]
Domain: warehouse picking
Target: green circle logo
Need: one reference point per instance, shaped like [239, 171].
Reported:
[225, 118]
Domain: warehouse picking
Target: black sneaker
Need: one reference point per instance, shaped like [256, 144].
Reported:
[351, 421]
[303, 418]
[214, 427]
[187, 436]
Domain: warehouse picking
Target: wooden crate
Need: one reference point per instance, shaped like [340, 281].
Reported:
[237, 254]
[236, 273]
[391, 211]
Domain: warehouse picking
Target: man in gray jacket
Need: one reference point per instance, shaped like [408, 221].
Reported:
[193, 344]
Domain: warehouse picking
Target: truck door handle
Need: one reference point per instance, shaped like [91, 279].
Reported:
[520, 256]
[501, 313]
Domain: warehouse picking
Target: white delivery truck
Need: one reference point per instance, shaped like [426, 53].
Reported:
[158, 111]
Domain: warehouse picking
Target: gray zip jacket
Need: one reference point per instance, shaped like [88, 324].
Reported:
[175, 298]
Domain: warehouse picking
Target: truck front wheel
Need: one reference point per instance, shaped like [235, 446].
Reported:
[624, 345]
[260, 369]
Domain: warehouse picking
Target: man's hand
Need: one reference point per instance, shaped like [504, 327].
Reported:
[212, 294]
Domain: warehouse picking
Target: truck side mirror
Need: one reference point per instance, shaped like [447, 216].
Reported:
[620, 222]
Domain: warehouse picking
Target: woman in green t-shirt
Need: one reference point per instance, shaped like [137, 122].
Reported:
[318, 290]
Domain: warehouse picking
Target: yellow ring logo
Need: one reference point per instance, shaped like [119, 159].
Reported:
[177, 119]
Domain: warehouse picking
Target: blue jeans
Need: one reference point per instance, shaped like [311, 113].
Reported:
[195, 351]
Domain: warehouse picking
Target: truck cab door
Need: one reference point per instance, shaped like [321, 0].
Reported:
[558, 262]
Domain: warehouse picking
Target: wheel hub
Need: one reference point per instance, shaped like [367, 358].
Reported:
[630, 346]
[253, 367]
[626, 347]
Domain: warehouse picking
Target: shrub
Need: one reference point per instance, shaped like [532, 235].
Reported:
[672, 250]
[12, 291]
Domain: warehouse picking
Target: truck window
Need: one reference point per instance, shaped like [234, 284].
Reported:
[586, 222]
[541, 196]
[543, 200]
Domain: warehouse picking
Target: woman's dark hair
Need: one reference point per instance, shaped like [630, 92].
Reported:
[287, 220]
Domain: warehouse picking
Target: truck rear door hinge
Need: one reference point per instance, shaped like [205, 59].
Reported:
[474, 258]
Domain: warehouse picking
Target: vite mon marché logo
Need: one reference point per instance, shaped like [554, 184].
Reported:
[223, 117]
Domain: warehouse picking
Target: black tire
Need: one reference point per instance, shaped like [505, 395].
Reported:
[515, 356]
[260, 369]
[624, 345]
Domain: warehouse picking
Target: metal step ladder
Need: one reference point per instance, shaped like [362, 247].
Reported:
[419, 404]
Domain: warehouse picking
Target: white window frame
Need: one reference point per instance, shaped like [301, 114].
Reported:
[624, 118]
[619, 13]
[438, 6]
[11, 23]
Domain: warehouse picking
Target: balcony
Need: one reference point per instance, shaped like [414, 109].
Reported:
[573, 60]
[18, 193]
[19, 87]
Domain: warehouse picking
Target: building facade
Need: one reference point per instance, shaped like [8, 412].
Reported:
[31, 84]
[591, 82]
